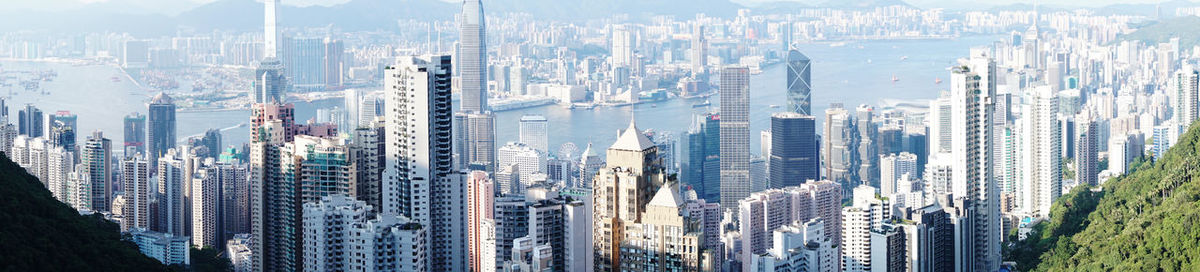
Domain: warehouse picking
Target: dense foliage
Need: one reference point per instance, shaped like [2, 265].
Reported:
[39, 233]
[1145, 221]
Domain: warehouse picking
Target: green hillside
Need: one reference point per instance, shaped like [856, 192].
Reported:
[1148, 220]
[38, 233]
[1186, 28]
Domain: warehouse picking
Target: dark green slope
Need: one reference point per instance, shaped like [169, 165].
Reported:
[1145, 221]
[38, 233]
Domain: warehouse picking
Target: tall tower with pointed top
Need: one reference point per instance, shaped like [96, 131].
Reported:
[271, 29]
[472, 60]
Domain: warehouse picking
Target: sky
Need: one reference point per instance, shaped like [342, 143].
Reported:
[171, 7]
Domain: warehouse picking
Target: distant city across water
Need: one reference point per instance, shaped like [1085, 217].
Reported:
[855, 73]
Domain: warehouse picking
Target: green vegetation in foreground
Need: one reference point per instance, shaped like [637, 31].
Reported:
[39, 233]
[1148, 220]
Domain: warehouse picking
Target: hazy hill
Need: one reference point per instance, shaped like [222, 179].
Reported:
[39, 233]
[1186, 28]
[1148, 220]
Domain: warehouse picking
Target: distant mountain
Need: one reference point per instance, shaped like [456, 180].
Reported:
[39, 233]
[862, 4]
[1186, 28]
[1152, 10]
[1143, 221]
[781, 7]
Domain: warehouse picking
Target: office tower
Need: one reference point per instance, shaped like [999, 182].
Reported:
[38, 157]
[135, 180]
[319, 166]
[235, 199]
[160, 127]
[866, 214]
[840, 150]
[472, 65]
[174, 177]
[421, 183]
[801, 246]
[888, 251]
[168, 249]
[64, 127]
[793, 157]
[29, 122]
[480, 209]
[621, 191]
[758, 174]
[208, 145]
[972, 91]
[1041, 158]
[367, 154]
[60, 163]
[96, 161]
[480, 134]
[699, 50]
[624, 39]
[528, 162]
[666, 142]
[892, 167]
[702, 157]
[341, 236]
[206, 206]
[270, 83]
[799, 83]
[1187, 95]
[135, 134]
[534, 133]
[578, 234]
[334, 64]
[868, 157]
[304, 58]
[664, 238]
[1087, 155]
[589, 165]
[735, 135]
[271, 29]
[939, 124]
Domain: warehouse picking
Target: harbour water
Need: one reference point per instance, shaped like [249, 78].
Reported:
[852, 74]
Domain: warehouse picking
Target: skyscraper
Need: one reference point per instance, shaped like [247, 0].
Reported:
[534, 132]
[1087, 157]
[735, 135]
[624, 39]
[799, 83]
[271, 29]
[840, 148]
[892, 168]
[135, 134]
[96, 160]
[971, 93]
[1187, 93]
[793, 159]
[621, 192]
[64, 127]
[702, 157]
[480, 209]
[1041, 159]
[270, 81]
[160, 127]
[421, 182]
[699, 50]
[868, 152]
[480, 140]
[135, 177]
[472, 60]
[29, 122]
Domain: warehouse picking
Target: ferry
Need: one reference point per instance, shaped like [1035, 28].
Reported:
[895, 79]
[903, 58]
[705, 104]
[115, 79]
[774, 106]
[937, 81]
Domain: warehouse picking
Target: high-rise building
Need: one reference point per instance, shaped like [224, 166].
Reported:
[868, 156]
[1187, 95]
[793, 158]
[271, 29]
[480, 140]
[135, 134]
[160, 127]
[621, 191]
[1087, 154]
[511, 222]
[60, 163]
[664, 238]
[624, 40]
[270, 83]
[528, 162]
[888, 249]
[1041, 156]
[340, 236]
[699, 50]
[480, 209]
[207, 228]
[763, 212]
[840, 148]
[135, 179]
[235, 199]
[95, 160]
[367, 154]
[799, 83]
[802, 246]
[589, 165]
[929, 237]
[168, 249]
[274, 211]
[319, 166]
[64, 127]
[29, 122]
[735, 135]
[892, 168]
[174, 179]
[472, 59]
[701, 165]
[534, 132]
[867, 213]
[304, 58]
[421, 183]
[333, 65]
[972, 89]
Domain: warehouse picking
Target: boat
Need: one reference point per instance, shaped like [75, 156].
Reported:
[937, 81]
[705, 104]
[894, 78]
[774, 106]
[116, 79]
[903, 58]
